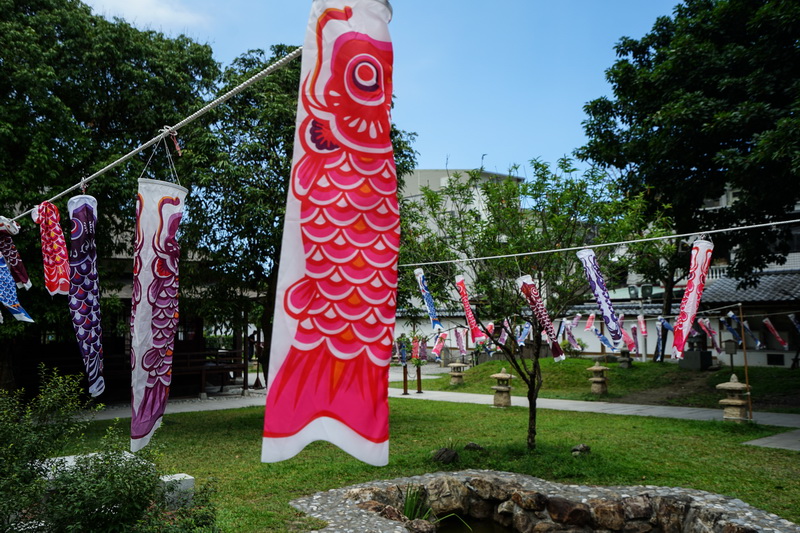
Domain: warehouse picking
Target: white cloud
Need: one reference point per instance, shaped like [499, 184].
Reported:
[162, 15]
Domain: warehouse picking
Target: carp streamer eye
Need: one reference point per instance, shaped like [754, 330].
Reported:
[364, 80]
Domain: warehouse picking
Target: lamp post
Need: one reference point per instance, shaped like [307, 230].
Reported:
[647, 293]
[730, 349]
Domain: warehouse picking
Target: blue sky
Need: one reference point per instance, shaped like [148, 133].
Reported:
[508, 80]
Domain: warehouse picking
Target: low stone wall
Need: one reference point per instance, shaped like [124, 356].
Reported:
[526, 504]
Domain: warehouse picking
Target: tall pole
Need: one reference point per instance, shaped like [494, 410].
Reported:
[744, 352]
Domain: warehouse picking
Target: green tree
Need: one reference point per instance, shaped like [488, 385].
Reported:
[76, 93]
[474, 217]
[706, 102]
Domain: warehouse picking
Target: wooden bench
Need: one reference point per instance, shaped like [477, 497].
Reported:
[228, 364]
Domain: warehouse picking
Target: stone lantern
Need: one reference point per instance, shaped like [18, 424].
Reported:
[598, 379]
[457, 373]
[502, 391]
[735, 405]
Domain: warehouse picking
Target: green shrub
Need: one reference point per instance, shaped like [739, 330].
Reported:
[30, 432]
[112, 490]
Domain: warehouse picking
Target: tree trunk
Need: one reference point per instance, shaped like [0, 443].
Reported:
[533, 394]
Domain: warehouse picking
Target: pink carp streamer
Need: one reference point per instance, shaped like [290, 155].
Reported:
[8, 229]
[54, 248]
[626, 338]
[501, 341]
[428, 299]
[589, 323]
[84, 292]
[705, 325]
[767, 322]
[462, 349]
[336, 290]
[598, 286]
[154, 313]
[698, 269]
[528, 289]
[439, 345]
[477, 334]
[642, 325]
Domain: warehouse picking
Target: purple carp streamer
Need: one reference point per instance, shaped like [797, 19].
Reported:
[428, 299]
[658, 355]
[598, 286]
[732, 331]
[84, 291]
[570, 335]
[767, 322]
[9, 228]
[794, 320]
[746, 327]
[528, 289]
[635, 337]
[698, 269]
[8, 294]
[154, 317]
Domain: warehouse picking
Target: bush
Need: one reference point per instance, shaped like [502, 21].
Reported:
[30, 432]
[112, 490]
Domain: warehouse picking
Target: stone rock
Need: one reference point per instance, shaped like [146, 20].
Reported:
[548, 527]
[445, 456]
[637, 527]
[391, 513]
[581, 449]
[523, 520]
[447, 495]
[563, 511]
[506, 507]
[608, 514]
[372, 506]
[480, 508]
[420, 526]
[504, 519]
[492, 488]
[701, 520]
[390, 496]
[670, 512]
[637, 507]
[530, 500]
[473, 446]
[738, 528]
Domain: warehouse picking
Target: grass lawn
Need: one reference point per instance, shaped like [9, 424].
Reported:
[225, 446]
[773, 389]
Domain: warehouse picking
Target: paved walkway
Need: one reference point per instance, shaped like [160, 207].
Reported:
[788, 441]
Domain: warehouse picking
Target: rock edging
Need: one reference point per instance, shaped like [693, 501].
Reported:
[526, 503]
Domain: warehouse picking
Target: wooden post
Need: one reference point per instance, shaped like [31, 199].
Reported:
[405, 380]
[419, 380]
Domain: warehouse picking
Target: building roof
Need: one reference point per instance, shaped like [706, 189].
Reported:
[776, 286]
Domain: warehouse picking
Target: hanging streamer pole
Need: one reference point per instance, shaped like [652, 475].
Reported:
[169, 130]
